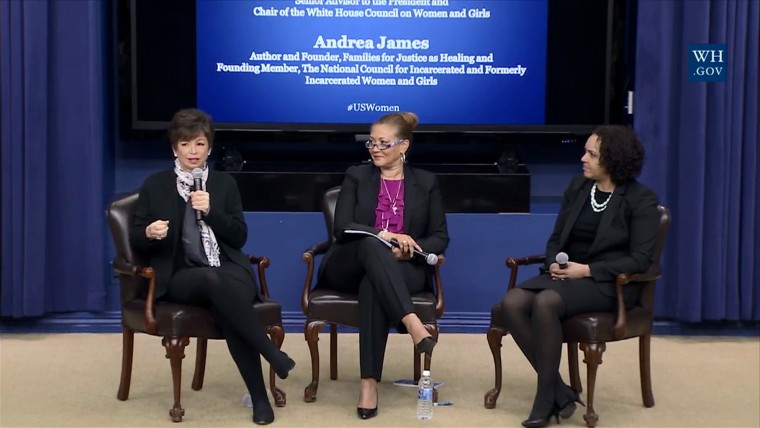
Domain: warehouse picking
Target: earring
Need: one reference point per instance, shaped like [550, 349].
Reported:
[403, 157]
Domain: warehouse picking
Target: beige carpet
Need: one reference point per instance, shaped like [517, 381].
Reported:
[70, 380]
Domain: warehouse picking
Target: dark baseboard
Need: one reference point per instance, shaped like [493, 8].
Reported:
[707, 328]
[453, 322]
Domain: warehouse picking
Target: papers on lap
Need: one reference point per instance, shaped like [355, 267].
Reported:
[363, 232]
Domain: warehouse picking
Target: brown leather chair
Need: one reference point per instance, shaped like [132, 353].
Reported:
[176, 323]
[330, 307]
[595, 329]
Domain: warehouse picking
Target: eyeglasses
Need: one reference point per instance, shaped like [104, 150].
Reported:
[381, 144]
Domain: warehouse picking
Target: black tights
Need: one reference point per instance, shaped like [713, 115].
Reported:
[533, 317]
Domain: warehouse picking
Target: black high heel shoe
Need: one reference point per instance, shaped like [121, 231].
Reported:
[567, 411]
[367, 413]
[540, 422]
[426, 345]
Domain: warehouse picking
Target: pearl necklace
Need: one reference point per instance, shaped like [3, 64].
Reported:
[597, 207]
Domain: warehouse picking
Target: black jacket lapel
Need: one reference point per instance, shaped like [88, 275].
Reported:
[172, 205]
[609, 213]
[368, 189]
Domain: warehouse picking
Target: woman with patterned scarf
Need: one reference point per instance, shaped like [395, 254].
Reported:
[193, 239]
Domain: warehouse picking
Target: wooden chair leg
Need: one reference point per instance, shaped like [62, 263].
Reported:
[644, 368]
[494, 337]
[200, 364]
[277, 334]
[593, 358]
[333, 352]
[127, 348]
[572, 365]
[175, 352]
[311, 332]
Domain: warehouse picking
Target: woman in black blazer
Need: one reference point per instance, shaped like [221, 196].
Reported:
[394, 201]
[198, 260]
[607, 225]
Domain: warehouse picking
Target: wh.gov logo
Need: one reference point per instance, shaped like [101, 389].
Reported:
[707, 63]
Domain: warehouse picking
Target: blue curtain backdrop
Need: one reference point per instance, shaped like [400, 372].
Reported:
[52, 148]
[702, 155]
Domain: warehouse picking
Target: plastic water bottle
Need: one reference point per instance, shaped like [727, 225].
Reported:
[425, 397]
[247, 400]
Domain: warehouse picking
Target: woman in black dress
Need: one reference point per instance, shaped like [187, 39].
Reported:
[607, 224]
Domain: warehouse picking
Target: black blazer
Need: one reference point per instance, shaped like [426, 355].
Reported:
[625, 240]
[158, 201]
[424, 218]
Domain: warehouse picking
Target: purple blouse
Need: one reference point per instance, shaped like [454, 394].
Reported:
[389, 213]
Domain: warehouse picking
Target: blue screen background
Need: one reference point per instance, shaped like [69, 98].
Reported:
[515, 32]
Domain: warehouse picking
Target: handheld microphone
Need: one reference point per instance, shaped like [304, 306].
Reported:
[562, 259]
[429, 258]
[197, 185]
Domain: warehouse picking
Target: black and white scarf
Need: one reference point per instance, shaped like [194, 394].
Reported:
[184, 187]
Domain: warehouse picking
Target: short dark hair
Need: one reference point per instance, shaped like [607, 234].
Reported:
[620, 152]
[405, 122]
[189, 123]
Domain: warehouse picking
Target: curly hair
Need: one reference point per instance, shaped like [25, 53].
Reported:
[621, 152]
[190, 123]
[404, 122]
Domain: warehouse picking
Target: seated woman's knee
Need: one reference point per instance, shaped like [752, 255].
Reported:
[548, 300]
[515, 299]
[212, 280]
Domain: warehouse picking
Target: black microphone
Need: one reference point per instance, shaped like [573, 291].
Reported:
[429, 258]
[562, 259]
[197, 185]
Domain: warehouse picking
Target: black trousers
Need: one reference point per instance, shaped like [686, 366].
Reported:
[384, 286]
[229, 292]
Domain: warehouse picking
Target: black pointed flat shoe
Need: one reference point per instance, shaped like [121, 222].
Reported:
[283, 372]
[263, 414]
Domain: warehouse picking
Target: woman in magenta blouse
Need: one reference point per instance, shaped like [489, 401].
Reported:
[394, 201]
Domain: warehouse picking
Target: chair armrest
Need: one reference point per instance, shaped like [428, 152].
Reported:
[123, 268]
[308, 258]
[652, 274]
[513, 263]
[440, 304]
[262, 263]
[623, 279]
[318, 249]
